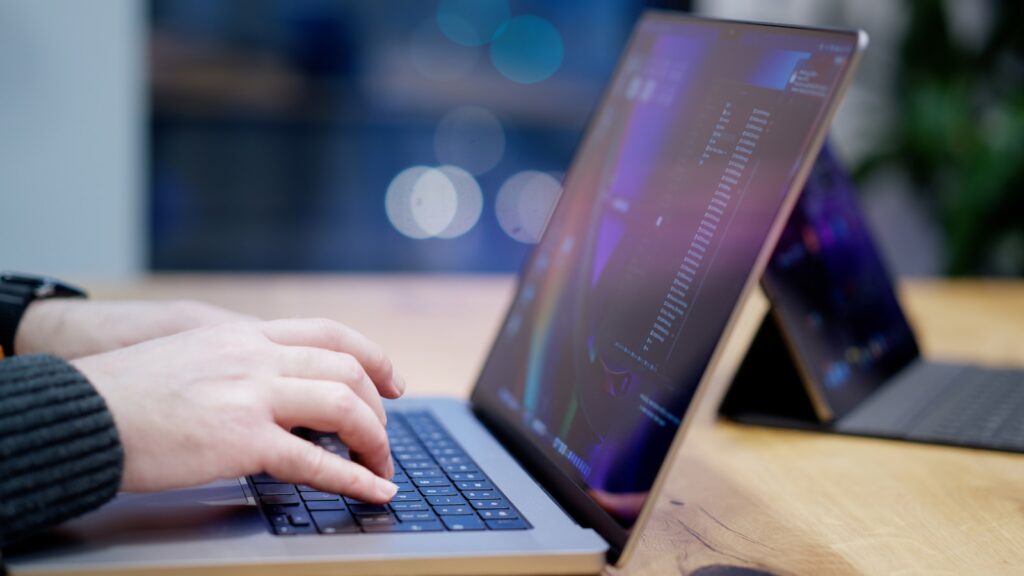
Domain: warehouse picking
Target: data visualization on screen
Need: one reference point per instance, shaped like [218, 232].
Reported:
[666, 208]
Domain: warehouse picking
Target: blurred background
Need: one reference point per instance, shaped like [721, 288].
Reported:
[426, 135]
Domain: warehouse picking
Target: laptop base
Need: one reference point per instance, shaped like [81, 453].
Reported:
[218, 529]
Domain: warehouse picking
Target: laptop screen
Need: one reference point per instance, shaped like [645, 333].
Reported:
[832, 296]
[667, 206]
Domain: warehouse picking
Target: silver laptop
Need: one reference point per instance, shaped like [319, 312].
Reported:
[679, 188]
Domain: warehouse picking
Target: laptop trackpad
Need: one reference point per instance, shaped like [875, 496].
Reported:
[216, 510]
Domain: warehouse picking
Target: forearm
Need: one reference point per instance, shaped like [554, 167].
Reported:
[60, 455]
[74, 328]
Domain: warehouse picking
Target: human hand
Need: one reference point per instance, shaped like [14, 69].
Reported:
[73, 327]
[219, 402]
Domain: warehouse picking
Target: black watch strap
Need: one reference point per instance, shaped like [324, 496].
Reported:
[17, 291]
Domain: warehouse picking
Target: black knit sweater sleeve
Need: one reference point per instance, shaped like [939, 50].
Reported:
[60, 455]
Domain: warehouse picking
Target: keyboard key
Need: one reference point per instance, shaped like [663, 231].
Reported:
[415, 515]
[396, 506]
[460, 523]
[326, 505]
[280, 499]
[310, 496]
[264, 479]
[435, 481]
[438, 491]
[498, 514]
[517, 524]
[453, 460]
[474, 485]
[406, 497]
[418, 465]
[334, 522]
[488, 504]
[270, 489]
[481, 495]
[426, 472]
[474, 476]
[298, 519]
[304, 488]
[276, 509]
[288, 529]
[405, 527]
[376, 519]
[446, 453]
[452, 468]
[453, 510]
[405, 487]
[446, 501]
[440, 444]
[359, 509]
[458, 476]
[282, 525]
[406, 458]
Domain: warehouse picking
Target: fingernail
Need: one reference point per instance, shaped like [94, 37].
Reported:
[386, 489]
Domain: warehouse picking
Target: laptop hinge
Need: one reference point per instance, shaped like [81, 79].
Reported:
[562, 490]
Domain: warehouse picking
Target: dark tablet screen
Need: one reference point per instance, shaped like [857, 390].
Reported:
[832, 296]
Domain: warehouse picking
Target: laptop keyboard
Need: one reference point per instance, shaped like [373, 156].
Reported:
[986, 409]
[439, 489]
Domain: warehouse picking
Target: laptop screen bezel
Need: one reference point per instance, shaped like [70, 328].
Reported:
[563, 489]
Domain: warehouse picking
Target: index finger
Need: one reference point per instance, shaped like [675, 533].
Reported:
[331, 335]
[331, 407]
[292, 459]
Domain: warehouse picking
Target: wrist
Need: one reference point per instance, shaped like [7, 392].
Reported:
[40, 325]
[19, 293]
[102, 371]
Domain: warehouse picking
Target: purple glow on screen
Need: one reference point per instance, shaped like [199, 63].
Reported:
[668, 203]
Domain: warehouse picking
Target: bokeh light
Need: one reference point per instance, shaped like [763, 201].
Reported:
[472, 22]
[433, 202]
[330, 101]
[470, 137]
[524, 204]
[434, 56]
[398, 202]
[470, 202]
[528, 50]
[424, 202]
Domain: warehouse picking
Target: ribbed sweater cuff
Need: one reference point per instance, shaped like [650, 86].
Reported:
[60, 455]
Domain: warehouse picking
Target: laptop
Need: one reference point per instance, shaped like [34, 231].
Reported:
[685, 175]
[837, 319]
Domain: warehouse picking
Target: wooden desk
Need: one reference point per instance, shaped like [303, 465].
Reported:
[782, 501]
